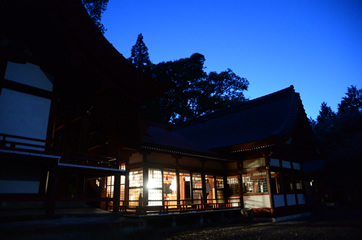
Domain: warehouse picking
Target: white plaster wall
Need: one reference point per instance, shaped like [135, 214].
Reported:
[296, 166]
[301, 198]
[291, 200]
[279, 200]
[274, 162]
[20, 179]
[286, 164]
[254, 163]
[23, 114]
[19, 186]
[28, 74]
[256, 201]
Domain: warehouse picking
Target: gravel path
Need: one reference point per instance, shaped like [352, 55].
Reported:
[337, 224]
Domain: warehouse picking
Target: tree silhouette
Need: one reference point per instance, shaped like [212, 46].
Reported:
[324, 119]
[189, 91]
[340, 137]
[95, 9]
[139, 55]
[352, 102]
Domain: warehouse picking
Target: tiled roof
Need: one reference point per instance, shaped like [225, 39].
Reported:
[59, 36]
[268, 117]
[161, 137]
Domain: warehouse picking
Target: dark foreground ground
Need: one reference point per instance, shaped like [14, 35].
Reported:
[333, 223]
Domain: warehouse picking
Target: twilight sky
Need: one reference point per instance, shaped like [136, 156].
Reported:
[315, 45]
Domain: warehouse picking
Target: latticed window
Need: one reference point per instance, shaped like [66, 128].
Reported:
[110, 186]
[154, 178]
[219, 182]
[196, 187]
[220, 189]
[196, 180]
[136, 178]
[170, 188]
[154, 187]
[210, 189]
[135, 186]
[185, 187]
[254, 183]
[233, 183]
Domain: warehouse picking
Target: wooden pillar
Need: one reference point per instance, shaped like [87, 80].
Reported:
[226, 190]
[271, 199]
[241, 184]
[116, 192]
[178, 185]
[52, 190]
[126, 188]
[49, 144]
[282, 183]
[241, 190]
[192, 188]
[203, 183]
[215, 187]
[145, 181]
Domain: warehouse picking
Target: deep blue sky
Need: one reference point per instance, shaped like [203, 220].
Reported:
[315, 45]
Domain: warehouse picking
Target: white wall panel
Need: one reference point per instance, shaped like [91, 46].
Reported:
[23, 114]
[28, 74]
[291, 200]
[301, 198]
[279, 200]
[256, 201]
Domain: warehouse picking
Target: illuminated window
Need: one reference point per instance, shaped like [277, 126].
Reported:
[154, 186]
[233, 191]
[170, 188]
[123, 189]
[196, 188]
[110, 188]
[210, 189]
[255, 183]
[220, 189]
[185, 187]
[134, 194]
[135, 186]
[154, 178]
[233, 183]
[123, 166]
[136, 178]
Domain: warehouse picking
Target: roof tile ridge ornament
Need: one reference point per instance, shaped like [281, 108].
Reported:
[244, 105]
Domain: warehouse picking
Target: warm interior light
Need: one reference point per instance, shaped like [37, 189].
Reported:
[173, 185]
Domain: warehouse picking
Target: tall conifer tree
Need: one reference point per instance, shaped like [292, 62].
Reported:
[139, 55]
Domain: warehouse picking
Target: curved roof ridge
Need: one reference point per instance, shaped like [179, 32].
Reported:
[248, 104]
[291, 116]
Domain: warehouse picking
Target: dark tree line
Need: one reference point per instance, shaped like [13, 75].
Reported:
[95, 9]
[340, 138]
[189, 91]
